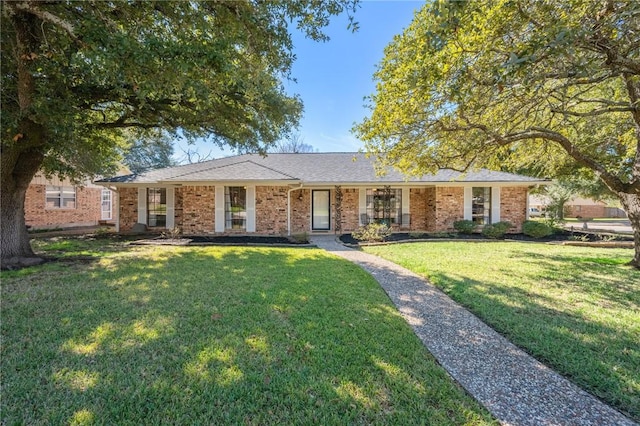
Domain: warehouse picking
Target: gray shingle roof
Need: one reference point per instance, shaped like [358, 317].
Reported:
[311, 168]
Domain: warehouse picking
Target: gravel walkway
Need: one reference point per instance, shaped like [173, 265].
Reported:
[514, 387]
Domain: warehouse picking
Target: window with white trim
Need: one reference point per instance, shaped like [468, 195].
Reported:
[61, 197]
[384, 205]
[235, 207]
[156, 207]
[481, 205]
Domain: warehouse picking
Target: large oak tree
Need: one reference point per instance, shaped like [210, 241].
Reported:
[549, 87]
[77, 76]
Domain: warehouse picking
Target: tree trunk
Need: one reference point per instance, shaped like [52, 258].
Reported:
[22, 152]
[14, 240]
[631, 204]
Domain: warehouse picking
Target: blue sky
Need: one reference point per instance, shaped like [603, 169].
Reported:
[334, 77]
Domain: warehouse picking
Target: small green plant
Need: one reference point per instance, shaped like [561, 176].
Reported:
[464, 226]
[171, 234]
[607, 237]
[300, 238]
[580, 237]
[536, 229]
[372, 232]
[496, 230]
[417, 234]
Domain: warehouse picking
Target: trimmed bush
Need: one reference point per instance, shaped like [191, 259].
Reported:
[536, 229]
[372, 232]
[496, 230]
[464, 226]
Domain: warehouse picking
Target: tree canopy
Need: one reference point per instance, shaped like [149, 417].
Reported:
[149, 150]
[76, 75]
[547, 87]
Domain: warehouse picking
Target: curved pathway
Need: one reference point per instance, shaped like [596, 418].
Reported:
[513, 386]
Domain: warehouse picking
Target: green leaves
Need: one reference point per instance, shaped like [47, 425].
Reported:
[498, 83]
[210, 69]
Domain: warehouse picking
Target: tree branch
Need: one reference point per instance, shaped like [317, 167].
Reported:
[595, 112]
[45, 16]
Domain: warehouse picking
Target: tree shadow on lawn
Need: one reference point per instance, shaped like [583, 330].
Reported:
[234, 335]
[599, 354]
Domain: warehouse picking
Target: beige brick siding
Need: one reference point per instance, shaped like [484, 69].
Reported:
[418, 208]
[128, 198]
[513, 205]
[432, 209]
[300, 211]
[86, 213]
[350, 209]
[198, 210]
[271, 209]
[449, 207]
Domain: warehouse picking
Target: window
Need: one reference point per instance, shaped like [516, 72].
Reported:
[481, 205]
[61, 197]
[106, 205]
[235, 207]
[384, 205]
[156, 207]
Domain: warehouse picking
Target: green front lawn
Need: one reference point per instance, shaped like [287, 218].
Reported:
[174, 335]
[575, 309]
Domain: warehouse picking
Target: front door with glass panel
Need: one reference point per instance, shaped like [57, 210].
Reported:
[106, 204]
[320, 217]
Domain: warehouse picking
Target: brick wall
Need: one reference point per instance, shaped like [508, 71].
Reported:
[271, 209]
[300, 211]
[198, 210]
[449, 207]
[586, 211]
[350, 209]
[513, 205]
[86, 213]
[128, 205]
[418, 208]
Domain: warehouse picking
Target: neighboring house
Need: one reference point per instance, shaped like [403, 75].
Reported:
[582, 207]
[314, 192]
[54, 203]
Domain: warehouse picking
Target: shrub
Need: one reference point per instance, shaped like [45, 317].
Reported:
[464, 226]
[536, 229]
[417, 234]
[372, 232]
[496, 230]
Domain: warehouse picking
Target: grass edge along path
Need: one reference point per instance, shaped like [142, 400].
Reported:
[224, 335]
[575, 309]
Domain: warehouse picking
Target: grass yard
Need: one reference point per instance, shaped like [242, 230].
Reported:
[212, 335]
[576, 309]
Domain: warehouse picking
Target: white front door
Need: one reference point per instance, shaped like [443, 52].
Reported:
[320, 210]
[106, 204]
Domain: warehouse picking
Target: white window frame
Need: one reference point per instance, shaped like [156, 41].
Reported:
[58, 192]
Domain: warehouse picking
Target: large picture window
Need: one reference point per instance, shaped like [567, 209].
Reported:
[481, 205]
[157, 207]
[384, 205]
[235, 207]
[61, 197]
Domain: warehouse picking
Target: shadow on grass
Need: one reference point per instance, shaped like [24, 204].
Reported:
[219, 336]
[572, 333]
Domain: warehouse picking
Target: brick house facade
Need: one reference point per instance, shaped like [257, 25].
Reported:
[294, 193]
[55, 203]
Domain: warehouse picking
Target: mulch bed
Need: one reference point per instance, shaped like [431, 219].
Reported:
[568, 236]
[236, 240]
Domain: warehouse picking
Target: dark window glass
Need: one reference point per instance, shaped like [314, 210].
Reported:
[481, 205]
[235, 207]
[156, 207]
[384, 205]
